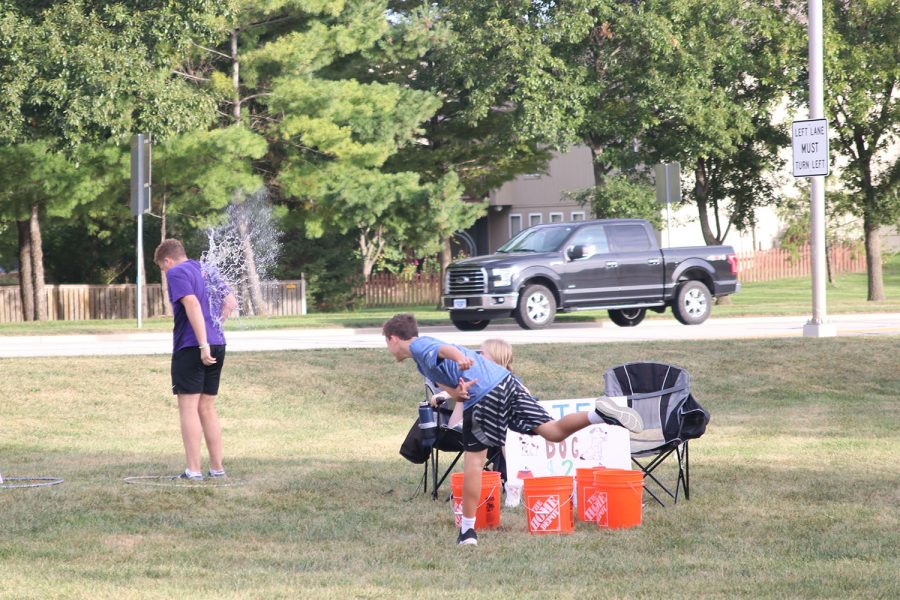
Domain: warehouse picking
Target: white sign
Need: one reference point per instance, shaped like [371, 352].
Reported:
[810, 142]
[594, 446]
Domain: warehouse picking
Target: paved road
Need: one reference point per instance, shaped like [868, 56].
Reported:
[303, 339]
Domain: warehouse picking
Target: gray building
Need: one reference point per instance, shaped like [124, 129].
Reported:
[531, 199]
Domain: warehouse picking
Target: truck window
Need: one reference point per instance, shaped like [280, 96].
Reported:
[593, 238]
[629, 238]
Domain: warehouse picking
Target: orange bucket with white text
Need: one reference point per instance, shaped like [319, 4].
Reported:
[487, 515]
[549, 504]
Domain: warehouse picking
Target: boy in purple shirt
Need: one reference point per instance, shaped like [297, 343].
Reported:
[197, 355]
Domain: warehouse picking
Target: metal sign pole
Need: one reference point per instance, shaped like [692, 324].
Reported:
[817, 326]
[140, 203]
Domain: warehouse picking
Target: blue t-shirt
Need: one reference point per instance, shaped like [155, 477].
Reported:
[488, 374]
[184, 279]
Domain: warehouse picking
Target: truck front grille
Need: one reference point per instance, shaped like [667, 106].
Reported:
[467, 281]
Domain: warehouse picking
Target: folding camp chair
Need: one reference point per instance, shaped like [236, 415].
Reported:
[450, 441]
[661, 394]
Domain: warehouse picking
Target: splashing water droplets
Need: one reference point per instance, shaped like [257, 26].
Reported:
[242, 253]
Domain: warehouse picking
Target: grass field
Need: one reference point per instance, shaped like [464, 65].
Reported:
[796, 486]
[792, 296]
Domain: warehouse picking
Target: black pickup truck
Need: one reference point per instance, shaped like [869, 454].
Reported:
[612, 264]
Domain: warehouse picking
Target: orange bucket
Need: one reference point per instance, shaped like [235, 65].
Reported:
[548, 504]
[487, 515]
[584, 487]
[617, 498]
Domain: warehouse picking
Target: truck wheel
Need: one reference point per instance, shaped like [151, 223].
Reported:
[627, 317]
[471, 325]
[693, 303]
[536, 309]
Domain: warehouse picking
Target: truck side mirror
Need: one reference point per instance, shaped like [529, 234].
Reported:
[575, 252]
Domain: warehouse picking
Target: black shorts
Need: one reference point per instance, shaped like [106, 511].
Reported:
[470, 442]
[191, 376]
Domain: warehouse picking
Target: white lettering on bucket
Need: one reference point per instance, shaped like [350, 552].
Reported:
[596, 509]
[545, 512]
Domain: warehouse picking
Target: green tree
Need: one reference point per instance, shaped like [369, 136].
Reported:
[862, 101]
[622, 197]
[85, 73]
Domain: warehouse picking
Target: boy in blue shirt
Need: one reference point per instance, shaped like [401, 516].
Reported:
[493, 400]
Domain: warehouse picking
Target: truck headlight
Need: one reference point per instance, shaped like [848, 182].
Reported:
[503, 277]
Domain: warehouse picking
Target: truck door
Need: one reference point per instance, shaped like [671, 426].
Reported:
[590, 279]
[640, 268]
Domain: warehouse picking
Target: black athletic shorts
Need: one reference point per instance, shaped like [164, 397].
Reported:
[191, 376]
[470, 442]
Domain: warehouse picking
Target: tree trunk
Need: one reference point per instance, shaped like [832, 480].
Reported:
[167, 306]
[446, 256]
[873, 261]
[701, 194]
[37, 266]
[235, 78]
[255, 289]
[370, 250]
[26, 283]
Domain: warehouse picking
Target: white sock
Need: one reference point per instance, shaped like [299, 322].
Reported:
[594, 417]
[217, 471]
[466, 524]
[190, 473]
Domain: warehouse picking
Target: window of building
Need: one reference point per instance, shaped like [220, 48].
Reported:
[535, 219]
[556, 217]
[515, 225]
[578, 216]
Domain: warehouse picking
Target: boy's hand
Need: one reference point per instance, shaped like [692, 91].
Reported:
[463, 387]
[464, 363]
[439, 398]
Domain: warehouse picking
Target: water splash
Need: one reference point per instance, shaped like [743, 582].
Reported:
[241, 255]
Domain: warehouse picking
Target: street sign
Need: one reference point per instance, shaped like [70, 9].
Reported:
[810, 142]
[140, 174]
[668, 190]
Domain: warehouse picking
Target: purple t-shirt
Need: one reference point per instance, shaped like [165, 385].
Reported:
[184, 279]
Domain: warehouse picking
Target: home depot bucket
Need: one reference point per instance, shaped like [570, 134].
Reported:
[487, 515]
[584, 484]
[548, 504]
[617, 498]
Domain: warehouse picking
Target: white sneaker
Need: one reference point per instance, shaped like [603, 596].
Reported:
[622, 416]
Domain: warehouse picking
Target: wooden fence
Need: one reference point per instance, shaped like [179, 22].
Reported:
[386, 289]
[768, 265]
[288, 298]
[83, 302]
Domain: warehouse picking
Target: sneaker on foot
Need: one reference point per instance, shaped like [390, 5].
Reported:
[469, 538]
[189, 477]
[216, 474]
[622, 416]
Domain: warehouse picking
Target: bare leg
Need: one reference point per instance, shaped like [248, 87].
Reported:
[212, 431]
[473, 467]
[557, 431]
[191, 429]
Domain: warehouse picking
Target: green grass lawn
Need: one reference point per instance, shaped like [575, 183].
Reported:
[781, 297]
[794, 486]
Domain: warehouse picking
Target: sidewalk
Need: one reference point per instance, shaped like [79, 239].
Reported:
[584, 333]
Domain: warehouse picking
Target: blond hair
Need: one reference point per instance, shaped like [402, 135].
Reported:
[498, 351]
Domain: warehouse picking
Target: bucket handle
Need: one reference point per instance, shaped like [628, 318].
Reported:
[547, 512]
[483, 502]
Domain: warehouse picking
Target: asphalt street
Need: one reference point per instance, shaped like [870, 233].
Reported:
[304, 339]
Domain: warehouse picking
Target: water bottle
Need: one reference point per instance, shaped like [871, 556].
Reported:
[427, 424]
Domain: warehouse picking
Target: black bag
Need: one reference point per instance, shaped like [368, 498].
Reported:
[413, 448]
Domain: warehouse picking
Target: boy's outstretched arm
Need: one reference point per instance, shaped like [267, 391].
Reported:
[455, 354]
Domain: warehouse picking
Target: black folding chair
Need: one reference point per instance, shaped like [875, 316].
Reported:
[450, 441]
[661, 394]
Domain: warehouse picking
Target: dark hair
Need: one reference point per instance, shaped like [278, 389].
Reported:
[403, 325]
[170, 248]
